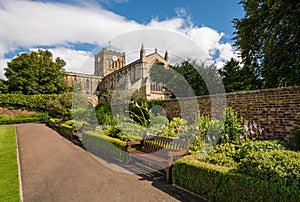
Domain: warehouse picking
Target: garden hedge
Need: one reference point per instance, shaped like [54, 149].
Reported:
[66, 130]
[93, 141]
[217, 183]
[38, 117]
[53, 123]
[33, 102]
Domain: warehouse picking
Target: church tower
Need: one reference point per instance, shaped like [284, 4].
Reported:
[107, 61]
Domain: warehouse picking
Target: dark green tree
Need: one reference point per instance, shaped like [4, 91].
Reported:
[35, 73]
[236, 77]
[269, 41]
[203, 79]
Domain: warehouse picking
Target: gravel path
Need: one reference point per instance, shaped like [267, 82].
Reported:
[54, 169]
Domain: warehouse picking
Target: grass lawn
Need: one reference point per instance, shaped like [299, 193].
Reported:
[9, 182]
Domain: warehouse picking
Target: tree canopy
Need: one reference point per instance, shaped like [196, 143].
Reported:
[236, 77]
[189, 78]
[35, 73]
[269, 41]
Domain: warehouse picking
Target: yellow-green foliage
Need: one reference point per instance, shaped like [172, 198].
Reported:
[66, 130]
[217, 183]
[53, 123]
[281, 166]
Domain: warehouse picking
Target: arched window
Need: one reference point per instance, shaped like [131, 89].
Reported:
[87, 84]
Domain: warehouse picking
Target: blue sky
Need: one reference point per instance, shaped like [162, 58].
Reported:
[74, 30]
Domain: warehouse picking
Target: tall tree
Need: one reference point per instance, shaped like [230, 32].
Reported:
[269, 41]
[236, 77]
[189, 78]
[35, 73]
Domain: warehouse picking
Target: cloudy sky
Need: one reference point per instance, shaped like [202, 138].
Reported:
[75, 30]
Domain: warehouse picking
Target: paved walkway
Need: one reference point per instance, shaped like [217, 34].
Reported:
[54, 169]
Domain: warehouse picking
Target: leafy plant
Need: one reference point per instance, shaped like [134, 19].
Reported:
[61, 106]
[253, 146]
[104, 114]
[140, 110]
[228, 149]
[233, 128]
[159, 120]
[176, 128]
[220, 159]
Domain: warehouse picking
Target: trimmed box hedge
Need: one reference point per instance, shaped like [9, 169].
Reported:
[217, 183]
[66, 130]
[39, 117]
[19, 101]
[53, 123]
[93, 141]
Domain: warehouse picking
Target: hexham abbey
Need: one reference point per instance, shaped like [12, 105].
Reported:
[111, 70]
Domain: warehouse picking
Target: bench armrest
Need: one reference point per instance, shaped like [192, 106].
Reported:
[129, 143]
[133, 143]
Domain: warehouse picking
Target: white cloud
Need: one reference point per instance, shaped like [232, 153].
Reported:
[77, 60]
[29, 24]
[3, 64]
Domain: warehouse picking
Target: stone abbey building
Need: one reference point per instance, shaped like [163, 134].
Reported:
[111, 71]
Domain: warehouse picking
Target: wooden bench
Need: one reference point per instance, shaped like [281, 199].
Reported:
[159, 151]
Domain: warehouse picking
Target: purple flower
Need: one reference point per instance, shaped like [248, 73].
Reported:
[241, 137]
[260, 130]
[208, 138]
[246, 128]
[254, 125]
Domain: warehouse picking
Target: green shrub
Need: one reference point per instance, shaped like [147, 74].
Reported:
[95, 142]
[60, 107]
[220, 159]
[233, 128]
[3, 116]
[30, 102]
[112, 131]
[228, 149]
[281, 166]
[159, 120]
[128, 132]
[53, 123]
[79, 124]
[253, 146]
[140, 110]
[70, 122]
[296, 137]
[28, 118]
[220, 184]
[177, 128]
[104, 114]
[66, 130]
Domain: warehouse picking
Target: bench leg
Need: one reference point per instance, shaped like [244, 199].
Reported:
[127, 158]
[169, 174]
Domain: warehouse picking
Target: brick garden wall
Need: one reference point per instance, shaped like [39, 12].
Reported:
[275, 110]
